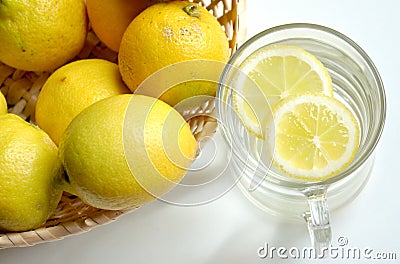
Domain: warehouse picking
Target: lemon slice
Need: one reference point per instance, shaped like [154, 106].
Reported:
[277, 71]
[316, 136]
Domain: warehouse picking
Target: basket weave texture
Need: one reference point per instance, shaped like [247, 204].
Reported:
[21, 89]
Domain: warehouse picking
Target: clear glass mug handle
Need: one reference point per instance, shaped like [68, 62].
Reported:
[317, 218]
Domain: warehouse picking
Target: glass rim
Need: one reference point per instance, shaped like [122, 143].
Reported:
[377, 83]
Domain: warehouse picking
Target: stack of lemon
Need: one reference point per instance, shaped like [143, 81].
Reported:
[89, 123]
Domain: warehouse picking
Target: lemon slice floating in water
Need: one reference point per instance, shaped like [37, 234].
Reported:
[277, 72]
[316, 136]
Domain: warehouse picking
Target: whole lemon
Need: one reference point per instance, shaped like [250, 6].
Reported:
[168, 33]
[125, 151]
[41, 35]
[109, 19]
[3, 104]
[72, 88]
[29, 169]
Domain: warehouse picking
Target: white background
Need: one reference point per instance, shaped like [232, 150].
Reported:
[231, 229]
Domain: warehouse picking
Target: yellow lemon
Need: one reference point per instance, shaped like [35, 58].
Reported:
[277, 72]
[29, 169]
[109, 19]
[315, 136]
[125, 151]
[41, 35]
[168, 33]
[72, 88]
[3, 104]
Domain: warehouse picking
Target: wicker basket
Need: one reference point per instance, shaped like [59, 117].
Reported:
[21, 89]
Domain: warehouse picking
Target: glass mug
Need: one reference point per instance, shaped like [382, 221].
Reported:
[356, 82]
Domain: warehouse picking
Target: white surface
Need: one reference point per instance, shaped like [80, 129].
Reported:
[230, 229]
